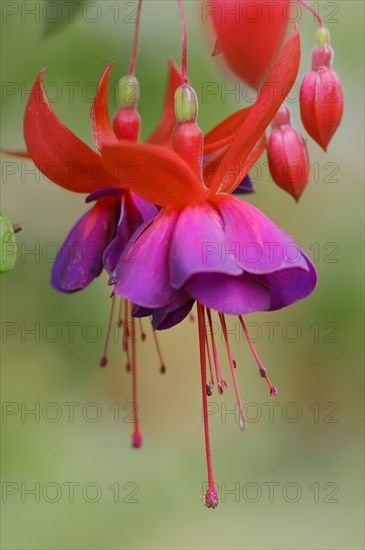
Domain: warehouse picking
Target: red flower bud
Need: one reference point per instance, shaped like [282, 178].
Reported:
[288, 156]
[126, 124]
[321, 95]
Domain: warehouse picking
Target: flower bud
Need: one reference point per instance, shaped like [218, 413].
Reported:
[321, 95]
[288, 156]
[127, 122]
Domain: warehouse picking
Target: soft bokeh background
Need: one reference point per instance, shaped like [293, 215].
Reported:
[322, 375]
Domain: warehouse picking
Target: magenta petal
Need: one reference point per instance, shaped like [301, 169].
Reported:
[143, 275]
[79, 260]
[198, 245]
[260, 247]
[232, 295]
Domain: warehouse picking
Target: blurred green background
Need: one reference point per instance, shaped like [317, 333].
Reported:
[313, 464]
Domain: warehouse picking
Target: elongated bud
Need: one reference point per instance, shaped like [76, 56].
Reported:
[187, 138]
[127, 122]
[321, 95]
[288, 156]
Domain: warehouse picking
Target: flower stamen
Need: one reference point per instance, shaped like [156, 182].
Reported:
[232, 367]
[221, 383]
[104, 360]
[137, 437]
[159, 352]
[262, 370]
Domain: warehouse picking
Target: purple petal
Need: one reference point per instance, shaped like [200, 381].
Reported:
[79, 260]
[143, 274]
[131, 244]
[134, 212]
[290, 285]
[259, 246]
[244, 187]
[197, 245]
[227, 294]
[147, 211]
[173, 313]
[107, 192]
[117, 246]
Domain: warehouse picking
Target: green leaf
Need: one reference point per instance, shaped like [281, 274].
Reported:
[7, 245]
[59, 14]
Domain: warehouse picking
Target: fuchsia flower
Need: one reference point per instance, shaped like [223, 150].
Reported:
[100, 236]
[288, 156]
[198, 248]
[321, 95]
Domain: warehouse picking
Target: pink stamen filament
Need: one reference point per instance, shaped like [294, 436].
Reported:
[143, 334]
[120, 314]
[313, 11]
[137, 438]
[262, 370]
[159, 352]
[221, 383]
[184, 64]
[132, 65]
[104, 360]
[232, 367]
[211, 383]
[211, 496]
[126, 334]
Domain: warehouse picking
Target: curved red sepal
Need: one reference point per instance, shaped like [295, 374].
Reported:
[155, 173]
[101, 126]
[236, 162]
[222, 134]
[162, 134]
[57, 152]
[250, 34]
[18, 154]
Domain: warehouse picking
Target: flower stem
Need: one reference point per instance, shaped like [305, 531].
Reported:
[184, 64]
[313, 11]
[132, 65]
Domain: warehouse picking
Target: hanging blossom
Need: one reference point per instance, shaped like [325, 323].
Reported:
[249, 36]
[101, 236]
[195, 250]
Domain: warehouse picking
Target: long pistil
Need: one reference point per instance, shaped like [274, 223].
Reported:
[211, 496]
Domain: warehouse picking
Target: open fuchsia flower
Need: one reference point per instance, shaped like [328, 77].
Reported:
[206, 245]
[170, 233]
[101, 236]
[249, 36]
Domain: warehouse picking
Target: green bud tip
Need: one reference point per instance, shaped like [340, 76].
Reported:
[128, 91]
[186, 104]
[322, 36]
